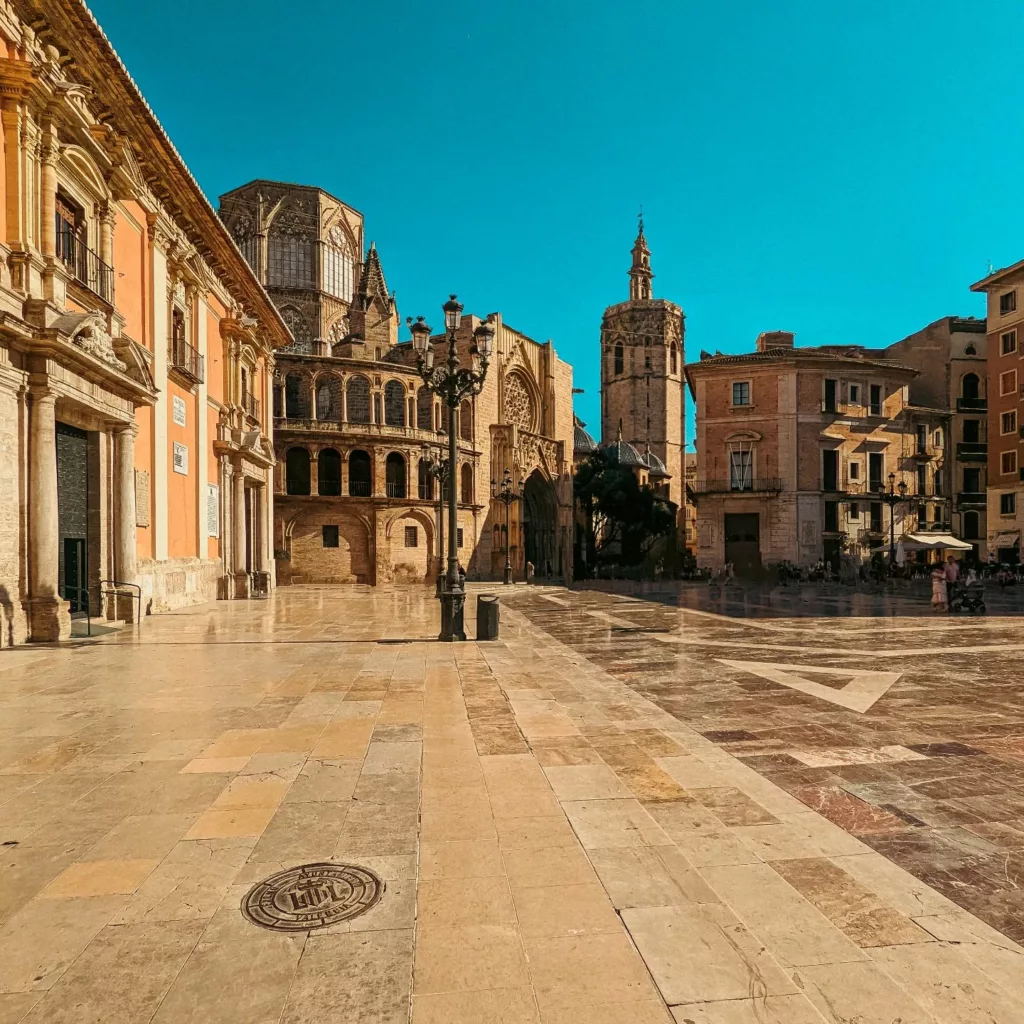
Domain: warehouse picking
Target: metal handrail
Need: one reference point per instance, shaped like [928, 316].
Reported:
[114, 584]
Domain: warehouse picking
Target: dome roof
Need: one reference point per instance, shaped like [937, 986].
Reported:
[582, 442]
[624, 454]
[654, 464]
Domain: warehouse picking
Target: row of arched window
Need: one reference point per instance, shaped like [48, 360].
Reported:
[327, 401]
[299, 476]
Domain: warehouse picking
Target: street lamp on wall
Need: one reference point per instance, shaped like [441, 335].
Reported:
[504, 493]
[452, 383]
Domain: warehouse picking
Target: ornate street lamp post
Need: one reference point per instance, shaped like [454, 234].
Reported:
[504, 493]
[451, 383]
[892, 498]
[437, 469]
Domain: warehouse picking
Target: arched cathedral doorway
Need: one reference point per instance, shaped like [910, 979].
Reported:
[540, 525]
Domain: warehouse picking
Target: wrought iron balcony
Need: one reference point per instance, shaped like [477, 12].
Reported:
[359, 488]
[187, 361]
[86, 265]
[394, 490]
[971, 404]
[972, 451]
[251, 405]
[756, 485]
[965, 498]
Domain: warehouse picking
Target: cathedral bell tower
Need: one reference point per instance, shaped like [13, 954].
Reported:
[642, 362]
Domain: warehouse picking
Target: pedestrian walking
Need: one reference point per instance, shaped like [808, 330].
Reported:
[938, 589]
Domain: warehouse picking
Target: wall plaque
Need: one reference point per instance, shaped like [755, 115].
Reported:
[142, 497]
[178, 410]
[181, 458]
[212, 510]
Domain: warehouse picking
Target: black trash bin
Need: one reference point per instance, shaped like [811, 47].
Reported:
[487, 608]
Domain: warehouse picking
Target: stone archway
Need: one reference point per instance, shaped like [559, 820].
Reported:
[540, 525]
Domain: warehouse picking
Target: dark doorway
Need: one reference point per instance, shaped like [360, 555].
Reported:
[743, 542]
[540, 521]
[75, 577]
[73, 515]
[394, 476]
[297, 475]
[359, 475]
[329, 472]
[832, 550]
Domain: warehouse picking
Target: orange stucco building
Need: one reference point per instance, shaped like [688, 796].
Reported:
[136, 349]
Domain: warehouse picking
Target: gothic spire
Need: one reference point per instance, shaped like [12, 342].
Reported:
[371, 282]
[640, 275]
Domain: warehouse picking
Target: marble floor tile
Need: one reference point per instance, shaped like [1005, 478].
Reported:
[793, 1009]
[700, 953]
[491, 1006]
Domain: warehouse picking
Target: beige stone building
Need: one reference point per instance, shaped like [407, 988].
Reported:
[689, 508]
[135, 349]
[950, 356]
[354, 426]
[1003, 387]
[793, 444]
[642, 384]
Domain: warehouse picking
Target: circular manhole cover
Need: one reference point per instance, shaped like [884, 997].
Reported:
[312, 896]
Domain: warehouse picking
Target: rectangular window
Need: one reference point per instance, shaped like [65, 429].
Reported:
[854, 510]
[1008, 423]
[972, 481]
[972, 431]
[1007, 303]
[1008, 382]
[830, 470]
[876, 400]
[1009, 342]
[937, 481]
[741, 392]
[458, 537]
[329, 534]
[922, 439]
[1007, 504]
[854, 394]
[876, 517]
[854, 470]
[741, 471]
[830, 395]
[922, 480]
[1008, 462]
[876, 469]
[412, 539]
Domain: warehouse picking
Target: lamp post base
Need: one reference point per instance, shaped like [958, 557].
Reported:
[453, 614]
[508, 575]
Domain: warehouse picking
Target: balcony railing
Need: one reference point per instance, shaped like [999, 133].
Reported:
[359, 488]
[971, 498]
[251, 405]
[972, 451]
[971, 404]
[757, 485]
[187, 361]
[394, 490]
[86, 265]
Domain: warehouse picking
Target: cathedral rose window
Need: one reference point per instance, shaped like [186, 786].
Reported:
[518, 404]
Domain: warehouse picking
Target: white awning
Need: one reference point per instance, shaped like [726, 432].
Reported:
[937, 541]
[1006, 540]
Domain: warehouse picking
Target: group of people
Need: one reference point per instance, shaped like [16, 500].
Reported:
[945, 580]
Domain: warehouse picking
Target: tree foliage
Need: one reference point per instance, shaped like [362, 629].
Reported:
[623, 519]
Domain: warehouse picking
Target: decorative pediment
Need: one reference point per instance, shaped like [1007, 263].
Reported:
[136, 360]
[743, 436]
[88, 331]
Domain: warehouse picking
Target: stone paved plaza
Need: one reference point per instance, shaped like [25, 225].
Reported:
[703, 808]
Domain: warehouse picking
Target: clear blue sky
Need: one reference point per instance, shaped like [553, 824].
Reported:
[844, 171]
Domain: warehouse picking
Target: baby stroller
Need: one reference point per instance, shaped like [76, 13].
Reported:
[969, 599]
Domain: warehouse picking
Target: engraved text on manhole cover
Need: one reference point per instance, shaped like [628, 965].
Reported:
[312, 896]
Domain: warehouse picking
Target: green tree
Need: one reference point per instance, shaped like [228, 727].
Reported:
[622, 519]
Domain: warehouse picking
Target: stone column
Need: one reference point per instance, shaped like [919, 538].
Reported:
[49, 618]
[107, 234]
[314, 472]
[262, 528]
[344, 471]
[238, 533]
[125, 569]
[344, 400]
[48, 194]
